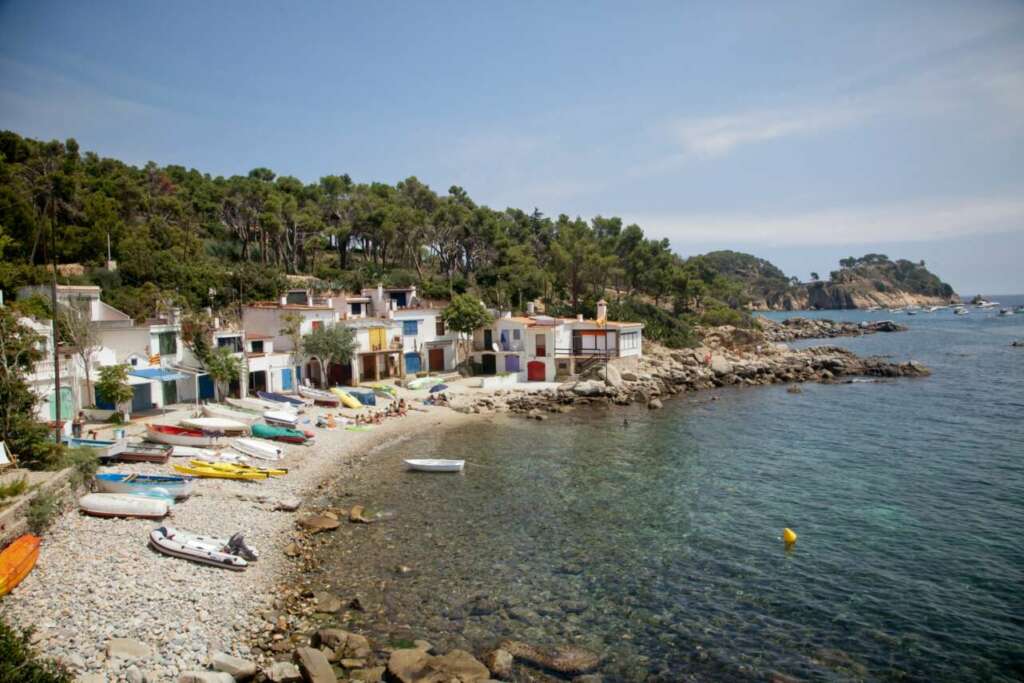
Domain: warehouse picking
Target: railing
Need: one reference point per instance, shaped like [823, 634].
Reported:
[584, 359]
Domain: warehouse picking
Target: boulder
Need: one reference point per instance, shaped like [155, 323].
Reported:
[347, 645]
[126, 648]
[654, 404]
[314, 666]
[589, 388]
[499, 663]
[611, 376]
[371, 675]
[288, 504]
[720, 366]
[205, 677]
[357, 515]
[134, 675]
[566, 659]
[629, 376]
[318, 523]
[407, 665]
[240, 669]
[283, 672]
[326, 603]
[460, 665]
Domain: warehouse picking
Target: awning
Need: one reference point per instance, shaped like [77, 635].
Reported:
[160, 374]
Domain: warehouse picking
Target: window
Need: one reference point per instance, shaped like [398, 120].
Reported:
[542, 345]
[410, 327]
[317, 324]
[516, 335]
[357, 309]
[134, 361]
[257, 346]
[629, 340]
[439, 327]
[168, 343]
[233, 343]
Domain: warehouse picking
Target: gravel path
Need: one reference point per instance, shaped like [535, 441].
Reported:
[97, 579]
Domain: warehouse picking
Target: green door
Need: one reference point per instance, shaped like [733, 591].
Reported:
[67, 405]
[170, 392]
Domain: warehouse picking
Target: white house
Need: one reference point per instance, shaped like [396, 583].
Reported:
[426, 344]
[41, 379]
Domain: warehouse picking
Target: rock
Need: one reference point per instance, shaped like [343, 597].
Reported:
[566, 659]
[327, 603]
[283, 672]
[794, 389]
[589, 388]
[347, 645]
[629, 376]
[205, 677]
[414, 665]
[318, 523]
[654, 404]
[720, 366]
[611, 376]
[292, 550]
[126, 648]
[356, 515]
[288, 504]
[314, 666]
[134, 675]
[499, 663]
[91, 678]
[352, 663]
[240, 669]
[407, 665]
[460, 665]
[371, 675]
[423, 645]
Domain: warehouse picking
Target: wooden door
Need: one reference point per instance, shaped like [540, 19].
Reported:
[369, 367]
[490, 364]
[535, 371]
[435, 359]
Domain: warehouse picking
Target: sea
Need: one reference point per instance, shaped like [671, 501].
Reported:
[655, 537]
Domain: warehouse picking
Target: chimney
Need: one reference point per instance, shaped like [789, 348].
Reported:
[531, 308]
[602, 311]
[579, 317]
[506, 315]
[283, 300]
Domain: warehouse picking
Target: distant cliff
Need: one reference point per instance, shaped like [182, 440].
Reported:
[871, 280]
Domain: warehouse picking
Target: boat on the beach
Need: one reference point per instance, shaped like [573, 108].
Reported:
[435, 465]
[192, 452]
[123, 505]
[213, 473]
[142, 451]
[423, 382]
[216, 425]
[385, 390]
[318, 396]
[17, 560]
[281, 418]
[239, 467]
[166, 485]
[229, 554]
[365, 397]
[180, 436]
[243, 416]
[104, 448]
[257, 448]
[284, 434]
[251, 404]
[347, 399]
[276, 398]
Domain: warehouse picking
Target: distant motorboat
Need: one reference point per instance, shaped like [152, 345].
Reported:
[960, 310]
[435, 465]
[987, 304]
[1005, 311]
[911, 311]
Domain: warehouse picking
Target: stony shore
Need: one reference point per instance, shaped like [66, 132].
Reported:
[113, 610]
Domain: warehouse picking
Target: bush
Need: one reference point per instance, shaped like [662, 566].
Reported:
[13, 489]
[19, 664]
[716, 316]
[674, 331]
[84, 461]
[41, 511]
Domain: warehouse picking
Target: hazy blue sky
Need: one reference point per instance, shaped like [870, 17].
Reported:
[804, 132]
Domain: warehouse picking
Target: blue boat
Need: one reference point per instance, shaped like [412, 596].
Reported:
[160, 485]
[104, 448]
[364, 396]
[280, 398]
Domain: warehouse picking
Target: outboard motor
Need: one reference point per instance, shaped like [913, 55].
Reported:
[238, 546]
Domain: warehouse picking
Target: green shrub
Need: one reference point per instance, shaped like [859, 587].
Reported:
[41, 511]
[19, 664]
[84, 461]
[13, 489]
[716, 316]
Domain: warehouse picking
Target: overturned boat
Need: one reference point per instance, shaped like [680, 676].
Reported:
[123, 505]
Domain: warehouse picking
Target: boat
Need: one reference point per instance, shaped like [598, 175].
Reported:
[423, 382]
[251, 404]
[231, 553]
[169, 485]
[17, 560]
[283, 418]
[257, 448]
[216, 425]
[365, 396]
[987, 304]
[960, 310]
[1019, 309]
[276, 398]
[278, 433]
[243, 416]
[104, 448]
[318, 396]
[180, 436]
[141, 451]
[346, 398]
[435, 465]
[123, 505]
[385, 390]
[911, 311]
[192, 452]
[238, 467]
[1005, 312]
[212, 473]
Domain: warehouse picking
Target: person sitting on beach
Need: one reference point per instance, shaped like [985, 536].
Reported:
[401, 408]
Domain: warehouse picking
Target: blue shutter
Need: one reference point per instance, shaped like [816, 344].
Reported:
[286, 378]
[410, 327]
[412, 362]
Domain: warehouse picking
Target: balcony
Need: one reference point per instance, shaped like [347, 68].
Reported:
[509, 347]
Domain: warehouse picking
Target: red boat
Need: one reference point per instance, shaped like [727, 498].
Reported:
[180, 436]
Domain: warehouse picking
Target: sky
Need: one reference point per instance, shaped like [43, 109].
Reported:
[802, 132]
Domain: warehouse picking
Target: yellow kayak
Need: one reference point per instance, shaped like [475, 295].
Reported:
[348, 399]
[212, 473]
[237, 467]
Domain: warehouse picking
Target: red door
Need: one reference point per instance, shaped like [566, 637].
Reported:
[435, 359]
[535, 371]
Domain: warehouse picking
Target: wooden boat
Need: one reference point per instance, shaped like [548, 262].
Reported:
[192, 452]
[211, 473]
[179, 436]
[278, 433]
[238, 467]
[169, 485]
[252, 404]
[17, 560]
[216, 425]
[257, 448]
[347, 399]
[204, 549]
[243, 416]
[123, 505]
[318, 396]
[140, 451]
[433, 465]
[281, 418]
[103, 447]
[275, 397]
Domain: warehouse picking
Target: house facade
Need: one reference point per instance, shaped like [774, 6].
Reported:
[427, 346]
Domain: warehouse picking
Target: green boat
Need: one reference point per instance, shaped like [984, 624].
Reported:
[264, 431]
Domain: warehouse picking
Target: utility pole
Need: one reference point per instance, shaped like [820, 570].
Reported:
[53, 295]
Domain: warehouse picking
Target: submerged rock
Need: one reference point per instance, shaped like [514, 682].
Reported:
[565, 659]
[314, 666]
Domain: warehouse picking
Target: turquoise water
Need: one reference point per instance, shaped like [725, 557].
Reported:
[658, 543]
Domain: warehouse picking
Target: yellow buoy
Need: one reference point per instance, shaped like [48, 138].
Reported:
[788, 536]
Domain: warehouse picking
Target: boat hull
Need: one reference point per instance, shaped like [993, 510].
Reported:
[244, 417]
[257, 448]
[122, 505]
[434, 465]
[174, 486]
[216, 425]
[144, 452]
[17, 560]
[201, 549]
[281, 418]
[321, 398]
[179, 437]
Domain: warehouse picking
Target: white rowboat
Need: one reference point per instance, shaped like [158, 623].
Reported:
[429, 465]
[318, 395]
[243, 416]
[123, 505]
[204, 549]
[282, 418]
[257, 448]
[218, 425]
[253, 404]
[193, 452]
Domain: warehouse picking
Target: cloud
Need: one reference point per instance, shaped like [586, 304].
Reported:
[905, 222]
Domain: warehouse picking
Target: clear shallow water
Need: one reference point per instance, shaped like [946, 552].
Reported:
[658, 543]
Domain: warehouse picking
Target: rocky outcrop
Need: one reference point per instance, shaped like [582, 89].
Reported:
[415, 665]
[792, 329]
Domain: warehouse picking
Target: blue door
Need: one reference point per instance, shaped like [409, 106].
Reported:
[412, 362]
[286, 379]
[205, 387]
[511, 363]
[103, 405]
[142, 397]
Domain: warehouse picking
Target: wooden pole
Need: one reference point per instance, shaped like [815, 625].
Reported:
[53, 295]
